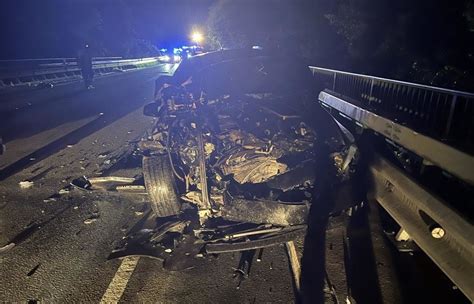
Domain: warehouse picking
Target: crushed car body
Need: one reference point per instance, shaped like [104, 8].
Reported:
[239, 151]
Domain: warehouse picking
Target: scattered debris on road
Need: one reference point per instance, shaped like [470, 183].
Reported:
[26, 184]
[242, 272]
[33, 270]
[94, 217]
[138, 189]
[111, 179]
[7, 247]
[81, 183]
[63, 191]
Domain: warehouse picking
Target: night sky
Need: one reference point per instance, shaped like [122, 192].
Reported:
[50, 28]
[426, 41]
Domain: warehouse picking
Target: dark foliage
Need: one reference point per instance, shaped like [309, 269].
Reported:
[425, 41]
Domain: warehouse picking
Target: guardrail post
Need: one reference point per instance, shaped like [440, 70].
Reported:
[371, 90]
[334, 82]
[450, 117]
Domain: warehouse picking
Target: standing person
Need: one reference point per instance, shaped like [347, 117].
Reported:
[85, 62]
[2, 147]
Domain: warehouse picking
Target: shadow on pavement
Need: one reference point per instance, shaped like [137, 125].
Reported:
[49, 110]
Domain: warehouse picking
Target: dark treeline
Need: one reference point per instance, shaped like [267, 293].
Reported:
[428, 41]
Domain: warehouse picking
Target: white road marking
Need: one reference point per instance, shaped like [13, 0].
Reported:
[295, 265]
[118, 284]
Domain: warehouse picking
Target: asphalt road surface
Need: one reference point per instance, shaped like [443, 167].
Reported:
[62, 241]
[55, 240]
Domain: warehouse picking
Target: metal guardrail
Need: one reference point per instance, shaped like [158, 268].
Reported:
[446, 237]
[451, 160]
[434, 123]
[14, 72]
[443, 114]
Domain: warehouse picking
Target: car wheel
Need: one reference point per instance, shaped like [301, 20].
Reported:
[161, 185]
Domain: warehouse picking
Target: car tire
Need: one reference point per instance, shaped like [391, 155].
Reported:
[161, 185]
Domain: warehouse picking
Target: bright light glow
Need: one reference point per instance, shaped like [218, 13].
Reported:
[165, 58]
[176, 58]
[197, 37]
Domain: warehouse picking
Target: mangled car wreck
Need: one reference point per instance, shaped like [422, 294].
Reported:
[239, 151]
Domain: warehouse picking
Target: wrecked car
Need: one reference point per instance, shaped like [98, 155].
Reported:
[239, 151]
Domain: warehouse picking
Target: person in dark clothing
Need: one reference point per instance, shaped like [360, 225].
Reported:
[2, 147]
[85, 62]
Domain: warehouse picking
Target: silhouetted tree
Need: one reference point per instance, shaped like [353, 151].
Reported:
[426, 40]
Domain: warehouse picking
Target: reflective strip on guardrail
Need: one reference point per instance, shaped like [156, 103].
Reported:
[444, 114]
[451, 160]
[29, 70]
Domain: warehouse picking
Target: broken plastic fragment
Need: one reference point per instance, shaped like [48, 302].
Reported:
[131, 189]
[111, 179]
[209, 148]
[64, 191]
[266, 211]
[26, 184]
[81, 183]
[90, 220]
[7, 247]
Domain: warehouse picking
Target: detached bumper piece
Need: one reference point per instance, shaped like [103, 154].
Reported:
[267, 240]
[265, 211]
